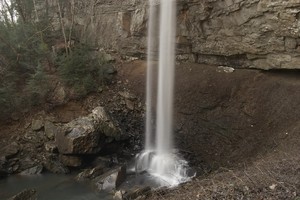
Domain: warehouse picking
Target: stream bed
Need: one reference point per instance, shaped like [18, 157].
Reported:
[50, 186]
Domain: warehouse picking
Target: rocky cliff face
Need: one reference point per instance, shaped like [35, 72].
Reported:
[260, 34]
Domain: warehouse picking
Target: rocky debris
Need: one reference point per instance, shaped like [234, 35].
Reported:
[127, 95]
[89, 174]
[86, 135]
[129, 99]
[129, 104]
[111, 180]
[52, 164]
[51, 147]
[37, 125]
[28, 194]
[70, 161]
[50, 130]
[10, 150]
[33, 171]
[36, 139]
[136, 192]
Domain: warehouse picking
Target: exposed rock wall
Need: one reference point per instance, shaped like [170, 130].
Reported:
[241, 33]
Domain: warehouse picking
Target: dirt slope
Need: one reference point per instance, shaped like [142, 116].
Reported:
[240, 130]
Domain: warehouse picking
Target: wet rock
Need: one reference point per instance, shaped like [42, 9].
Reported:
[37, 125]
[119, 195]
[28, 194]
[70, 161]
[51, 147]
[85, 135]
[52, 164]
[50, 130]
[27, 163]
[111, 180]
[136, 193]
[33, 171]
[90, 173]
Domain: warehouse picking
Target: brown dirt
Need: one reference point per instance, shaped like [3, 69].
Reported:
[240, 130]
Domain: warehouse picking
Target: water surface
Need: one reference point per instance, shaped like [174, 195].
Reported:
[50, 187]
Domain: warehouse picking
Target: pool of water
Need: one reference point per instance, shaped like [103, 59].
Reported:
[49, 187]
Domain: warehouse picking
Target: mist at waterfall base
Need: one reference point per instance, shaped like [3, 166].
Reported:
[159, 158]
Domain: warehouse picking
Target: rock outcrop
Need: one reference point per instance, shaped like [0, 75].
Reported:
[260, 34]
[87, 135]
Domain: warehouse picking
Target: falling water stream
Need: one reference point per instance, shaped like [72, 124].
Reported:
[159, 158]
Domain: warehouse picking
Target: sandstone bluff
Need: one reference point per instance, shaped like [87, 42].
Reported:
[262, 34]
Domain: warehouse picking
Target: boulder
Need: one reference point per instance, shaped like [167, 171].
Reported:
[28, 194]
[52, 164]
[86, 135]
[136, 192]
[50, 130]
[89, 174]
[70, 161]
[37, 125]
[33, 171]
[111, 180]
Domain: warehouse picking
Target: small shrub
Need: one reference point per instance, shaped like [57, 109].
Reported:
[37, 87]
[81, 70]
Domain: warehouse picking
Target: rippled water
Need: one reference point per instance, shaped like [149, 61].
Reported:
[50, 187]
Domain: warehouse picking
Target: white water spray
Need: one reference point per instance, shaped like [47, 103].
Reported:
[159, 159]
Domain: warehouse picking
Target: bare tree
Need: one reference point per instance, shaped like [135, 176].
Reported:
[72, 23]
[62, 27]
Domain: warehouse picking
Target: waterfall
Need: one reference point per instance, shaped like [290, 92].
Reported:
[159, 158]
[149, 86]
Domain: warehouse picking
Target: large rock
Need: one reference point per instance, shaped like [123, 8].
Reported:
[241, 33]
[33, 171]
[111, 180]
[89, 174]
[86, 135]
